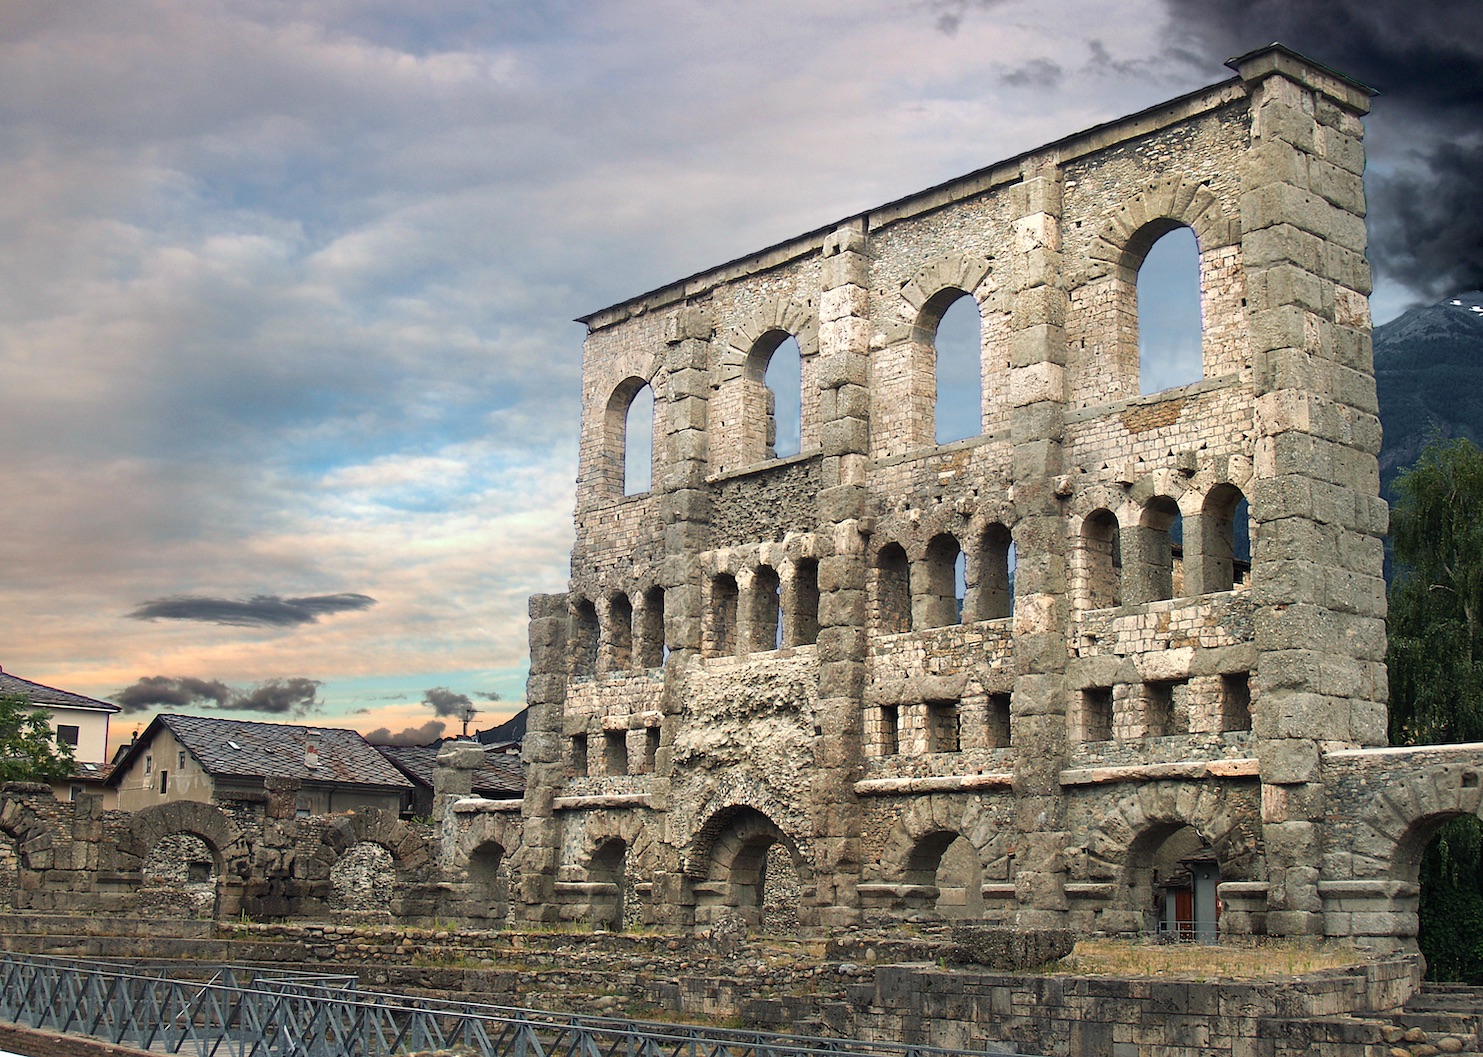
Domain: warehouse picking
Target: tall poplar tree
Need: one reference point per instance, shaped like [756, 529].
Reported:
[1436, 677]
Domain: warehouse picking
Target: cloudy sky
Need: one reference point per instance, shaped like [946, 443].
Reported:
[288, 382]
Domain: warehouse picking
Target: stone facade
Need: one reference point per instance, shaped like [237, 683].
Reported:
[1026, 678]
[762, 653]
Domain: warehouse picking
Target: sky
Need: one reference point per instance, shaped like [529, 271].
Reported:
[288, 378]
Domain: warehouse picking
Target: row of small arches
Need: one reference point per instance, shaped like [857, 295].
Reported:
[951, 327]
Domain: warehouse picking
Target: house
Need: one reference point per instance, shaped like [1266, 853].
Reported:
[79, 721]
[501, 778]
[207, 759]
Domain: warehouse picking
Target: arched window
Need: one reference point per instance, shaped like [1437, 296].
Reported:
[650, 638]
[893, 590]
[1160, 538]
[993, 596]
[802, 614]
[722, 639]
[938, 596]
[628, 428]
[620, 633]
[765, 611]
[1220, 555]
[1101, 560]
[775, 369]
[1169, 326]
[584, 638]
[958, 340]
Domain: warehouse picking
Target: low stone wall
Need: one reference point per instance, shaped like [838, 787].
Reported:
[875, 987]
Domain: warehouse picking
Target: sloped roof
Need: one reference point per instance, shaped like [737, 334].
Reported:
[241, 748]
[50, 695]
[501, 776]
[512, 729]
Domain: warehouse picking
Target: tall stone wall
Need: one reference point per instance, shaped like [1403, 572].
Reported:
[1056, 746]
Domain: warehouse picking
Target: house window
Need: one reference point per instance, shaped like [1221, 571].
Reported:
[148, 764]
[180, 762]
[164, 782]
[67, 735]
[74, 792]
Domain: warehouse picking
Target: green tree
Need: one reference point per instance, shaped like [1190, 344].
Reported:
[1436, 598]
[29, 752]
[1436, 677]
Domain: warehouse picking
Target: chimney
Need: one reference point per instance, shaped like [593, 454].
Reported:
[311, 754]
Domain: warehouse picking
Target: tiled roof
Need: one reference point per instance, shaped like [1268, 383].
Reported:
[49, 695]
[240, 748]
[502, 775]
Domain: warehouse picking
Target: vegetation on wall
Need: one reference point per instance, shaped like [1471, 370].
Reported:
[1436, 677]
[29, 752]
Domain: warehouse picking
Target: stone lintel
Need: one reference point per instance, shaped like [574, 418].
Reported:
[1153, 772]
[940, 783]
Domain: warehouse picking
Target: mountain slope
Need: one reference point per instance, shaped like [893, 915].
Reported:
[1429, 373]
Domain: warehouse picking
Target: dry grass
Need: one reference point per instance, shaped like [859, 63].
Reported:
[1194, 961]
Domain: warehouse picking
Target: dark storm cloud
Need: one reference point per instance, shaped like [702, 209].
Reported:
[1037, 73]
[430, 731]
[161, 691]
[1427, 61]
[445, 702]
[294, 696]
[258, 611]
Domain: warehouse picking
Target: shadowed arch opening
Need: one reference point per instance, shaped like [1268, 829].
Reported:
[620, 633]
[612, 908]
[179, 878]
[1172, 876]
[946, 876]
[1158, 571]
[1099, 561]
[584, 638]
[739, 873]
[1219, 555]
[938, 601]
[489, 881]
[893, 590]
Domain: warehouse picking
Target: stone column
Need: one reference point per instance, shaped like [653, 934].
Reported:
[1037, 387]
[844, 415]
[545, 696]
[1319, 682]
[685, 507]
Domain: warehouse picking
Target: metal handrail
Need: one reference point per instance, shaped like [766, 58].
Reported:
[245, 1012]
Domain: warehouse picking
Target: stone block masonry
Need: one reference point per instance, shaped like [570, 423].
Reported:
[1033, 677]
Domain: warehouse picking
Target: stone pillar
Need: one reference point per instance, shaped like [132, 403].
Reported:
[685, 507]
[453, 775]
[543, 751]
[1319, 682]
[844, 415]
[1037, 387]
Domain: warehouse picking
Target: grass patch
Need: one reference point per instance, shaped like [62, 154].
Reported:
[1260, 959]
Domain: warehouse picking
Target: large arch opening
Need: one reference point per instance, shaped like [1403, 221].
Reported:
[744, 875]
[946, 876]
[1222, 558]
[1159, 569]
[363, 882]
[939, 598]
[1170, 332]
[179, 878]
[1172, 876]
[1443, 856]
[957, 339]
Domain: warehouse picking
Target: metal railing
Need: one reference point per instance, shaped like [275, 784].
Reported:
[244, 1012]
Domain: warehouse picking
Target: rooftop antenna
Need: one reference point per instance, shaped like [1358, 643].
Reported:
[469, 712]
